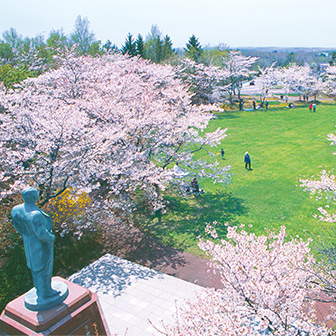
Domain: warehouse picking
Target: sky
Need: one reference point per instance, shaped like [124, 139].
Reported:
[236, 23]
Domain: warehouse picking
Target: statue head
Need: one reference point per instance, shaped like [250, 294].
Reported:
[30, 195]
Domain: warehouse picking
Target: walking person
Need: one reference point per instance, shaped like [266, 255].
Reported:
[314, 107]
[310, 107]
[241, 105]
[222, 153]
[247, 161]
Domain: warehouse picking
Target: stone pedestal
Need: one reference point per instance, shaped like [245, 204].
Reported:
[79, 314]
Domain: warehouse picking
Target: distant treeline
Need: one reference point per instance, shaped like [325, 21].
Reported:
[22, 57]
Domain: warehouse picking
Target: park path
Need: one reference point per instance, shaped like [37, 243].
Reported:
[130, 243]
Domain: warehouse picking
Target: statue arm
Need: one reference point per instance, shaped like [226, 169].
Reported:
[40, 229]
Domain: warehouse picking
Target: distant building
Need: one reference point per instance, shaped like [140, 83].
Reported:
[324, 54]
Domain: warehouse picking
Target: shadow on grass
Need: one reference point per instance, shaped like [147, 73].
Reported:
[227, 115]
[186, 218]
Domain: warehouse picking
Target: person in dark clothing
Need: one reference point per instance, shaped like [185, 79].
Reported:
[241, 105]
[194, 185]
[266, 104]
[222, 153]
[254, 104]
[247, 161]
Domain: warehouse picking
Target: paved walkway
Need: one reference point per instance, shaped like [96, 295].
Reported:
[131, 295]
[131, 244]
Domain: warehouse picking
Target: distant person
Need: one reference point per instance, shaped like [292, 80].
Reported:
[266, 104]
[314, 107]
[222, 153]
[254, 104]
[310, 107]
[241, 105]
[195, 187]
[247, 161]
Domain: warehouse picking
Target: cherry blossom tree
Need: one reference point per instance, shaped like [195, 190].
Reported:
[268, 78]
[324, 187]
[110, 123]
[292, 78]
[239, 69]
[301, 80]
[204, 82]
[330, 84]
[269, 287]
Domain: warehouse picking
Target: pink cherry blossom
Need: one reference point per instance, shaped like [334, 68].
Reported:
[110, 123]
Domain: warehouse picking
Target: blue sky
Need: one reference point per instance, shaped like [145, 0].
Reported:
[237, 23]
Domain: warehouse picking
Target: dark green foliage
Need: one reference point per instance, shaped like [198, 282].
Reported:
[193, 49]
[167, 49]
[129, 48]
[72, 254]
[153, 49]
[158, 49]
[140, 46]
[15, 276]
[158, 45]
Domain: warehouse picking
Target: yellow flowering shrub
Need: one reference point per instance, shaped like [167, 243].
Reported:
[69, 213]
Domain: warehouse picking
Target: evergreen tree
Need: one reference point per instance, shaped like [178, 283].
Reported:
[129, 47]
[193, 49]
[109, 47]
[140, 46]
[167, 49]
[154, 45]
[158, 49]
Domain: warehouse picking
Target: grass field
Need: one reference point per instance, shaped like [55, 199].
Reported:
[284, 144]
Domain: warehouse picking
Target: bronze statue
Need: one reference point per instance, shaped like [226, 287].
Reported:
[35, 227]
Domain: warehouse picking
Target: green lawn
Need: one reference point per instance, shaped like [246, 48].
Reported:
[284, 144]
